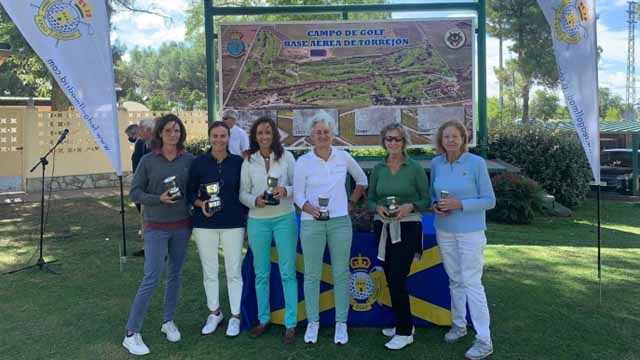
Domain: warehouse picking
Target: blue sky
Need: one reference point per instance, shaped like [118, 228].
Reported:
[146, 30]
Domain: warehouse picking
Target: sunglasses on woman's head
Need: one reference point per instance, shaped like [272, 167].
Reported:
[393, 138]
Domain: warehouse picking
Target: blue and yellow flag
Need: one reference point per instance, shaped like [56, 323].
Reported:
[370, 299]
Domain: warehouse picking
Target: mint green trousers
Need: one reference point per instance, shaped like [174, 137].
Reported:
[284, 231]
[314, 236]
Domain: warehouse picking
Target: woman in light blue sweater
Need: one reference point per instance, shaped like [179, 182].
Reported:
[461, 193]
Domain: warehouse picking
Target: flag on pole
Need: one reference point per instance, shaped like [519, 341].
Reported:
[573, 29]
[72, 39]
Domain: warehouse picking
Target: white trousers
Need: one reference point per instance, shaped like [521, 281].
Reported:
[462, 255]
[230, 240]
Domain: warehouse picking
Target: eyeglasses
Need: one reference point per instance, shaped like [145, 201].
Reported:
[393, 138]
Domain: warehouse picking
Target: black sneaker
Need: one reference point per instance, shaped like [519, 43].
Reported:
[139, 253]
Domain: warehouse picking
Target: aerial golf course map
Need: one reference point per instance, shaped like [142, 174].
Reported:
[359, 76]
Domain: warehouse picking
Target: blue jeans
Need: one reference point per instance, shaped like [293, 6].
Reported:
[284, 231]
[158, 245]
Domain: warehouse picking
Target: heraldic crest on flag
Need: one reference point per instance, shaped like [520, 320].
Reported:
[366, 286]
[571, 20]
[63, 20]
[369, 290]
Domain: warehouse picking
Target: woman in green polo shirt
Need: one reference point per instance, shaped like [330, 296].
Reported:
[398, 192]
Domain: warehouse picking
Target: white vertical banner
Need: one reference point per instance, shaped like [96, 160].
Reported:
[573, 28]
[72, 39]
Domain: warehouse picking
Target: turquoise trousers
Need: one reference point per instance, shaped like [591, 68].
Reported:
[315, 235]
[284, 231]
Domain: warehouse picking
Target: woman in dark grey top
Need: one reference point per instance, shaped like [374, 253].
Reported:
[167, 226]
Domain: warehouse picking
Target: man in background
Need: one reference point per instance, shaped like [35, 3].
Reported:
[239, 140]
[132, 133]
[141, 148]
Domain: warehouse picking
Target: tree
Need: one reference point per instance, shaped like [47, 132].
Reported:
[544, 105]
[611, 106]
[29, 75]
[495, 26]
[512, 89]
[523, 23]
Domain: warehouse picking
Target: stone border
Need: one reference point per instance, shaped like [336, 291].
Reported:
[78, 182]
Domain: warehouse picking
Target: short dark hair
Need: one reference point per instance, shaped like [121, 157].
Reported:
[276, 146]
[132, 128]
[216, 124]
[156, 140]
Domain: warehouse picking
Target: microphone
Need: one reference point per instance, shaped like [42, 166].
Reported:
[63, 136]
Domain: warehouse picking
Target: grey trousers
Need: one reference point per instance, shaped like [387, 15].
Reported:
[158, 245]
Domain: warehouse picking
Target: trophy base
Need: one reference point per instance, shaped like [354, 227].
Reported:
[271, 201]
[213, 209]
[323, 217]
[176, 197]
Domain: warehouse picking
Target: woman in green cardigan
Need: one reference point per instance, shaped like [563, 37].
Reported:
[398, 192]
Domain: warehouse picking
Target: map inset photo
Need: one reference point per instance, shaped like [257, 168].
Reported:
[303, 119]
[370, 121]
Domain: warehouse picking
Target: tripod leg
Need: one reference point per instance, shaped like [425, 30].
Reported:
[44, 266]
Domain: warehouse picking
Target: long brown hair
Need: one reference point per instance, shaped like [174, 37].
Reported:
[276, 146]
[156, 140]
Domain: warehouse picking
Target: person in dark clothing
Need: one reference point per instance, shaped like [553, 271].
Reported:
[142, 147]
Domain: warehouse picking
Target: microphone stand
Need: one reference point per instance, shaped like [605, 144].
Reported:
[41, 263]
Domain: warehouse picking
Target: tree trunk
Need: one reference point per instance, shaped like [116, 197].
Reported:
[59, 100]
[525, 101]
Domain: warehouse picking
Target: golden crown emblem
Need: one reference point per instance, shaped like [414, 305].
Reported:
[360, 262]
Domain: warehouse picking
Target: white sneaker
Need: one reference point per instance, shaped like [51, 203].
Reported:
[480, 350]
[170, 328]
[399, 342]
[212, 323]
[311, 335]
[135, 345]
[455, 333]
[233, 327]
[341, 336]
[391, 332]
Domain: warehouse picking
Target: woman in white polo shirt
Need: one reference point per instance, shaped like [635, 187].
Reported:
[321, 173]
[271, 216]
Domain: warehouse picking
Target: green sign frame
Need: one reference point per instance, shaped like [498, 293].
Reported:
[478, 6]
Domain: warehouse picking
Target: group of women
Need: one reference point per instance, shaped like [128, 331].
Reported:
[215, 189]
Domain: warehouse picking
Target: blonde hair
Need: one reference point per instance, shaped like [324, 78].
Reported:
[463, 134]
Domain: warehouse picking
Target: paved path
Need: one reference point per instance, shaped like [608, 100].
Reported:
[18, 198]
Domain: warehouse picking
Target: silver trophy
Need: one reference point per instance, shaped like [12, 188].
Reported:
[323, 203]
[444, 194]
[269, 197]
[392, 207]
[172, 185]
[214, 204]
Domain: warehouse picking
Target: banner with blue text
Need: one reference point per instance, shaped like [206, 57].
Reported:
[72, 39]
[573, 29]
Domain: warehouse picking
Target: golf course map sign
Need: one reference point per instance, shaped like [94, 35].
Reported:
[358, 76]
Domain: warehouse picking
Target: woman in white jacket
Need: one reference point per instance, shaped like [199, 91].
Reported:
[271, 216]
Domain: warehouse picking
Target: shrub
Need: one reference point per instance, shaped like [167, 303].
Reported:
[517, 199]
[197, 146]
[554, 159]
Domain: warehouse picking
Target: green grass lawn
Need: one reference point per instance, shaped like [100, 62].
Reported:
[541, 282]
